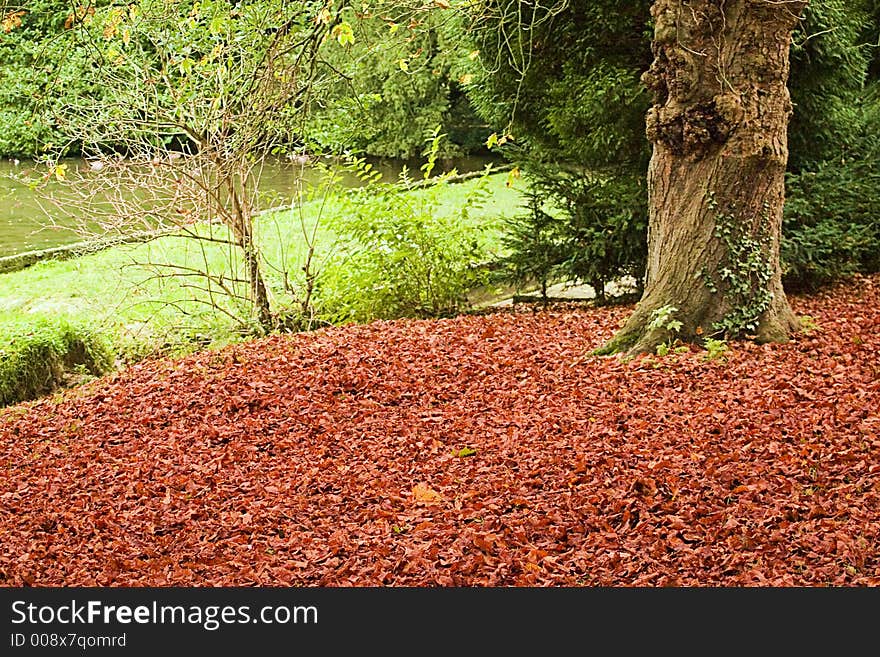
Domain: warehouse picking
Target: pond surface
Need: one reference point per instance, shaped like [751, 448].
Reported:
[29, 221]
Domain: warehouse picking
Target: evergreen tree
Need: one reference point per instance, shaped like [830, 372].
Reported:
[564, 79]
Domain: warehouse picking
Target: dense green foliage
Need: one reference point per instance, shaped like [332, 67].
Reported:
[832, 214]
[832, 221]
[39, 73]
[871, 36]
[533, 246]
[568, 88]
[397, 81]
[594, 234]
[828, 76]
[399, 256]
[565, 79]
[38, 353]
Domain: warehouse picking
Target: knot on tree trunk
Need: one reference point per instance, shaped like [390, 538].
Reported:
[695, 129]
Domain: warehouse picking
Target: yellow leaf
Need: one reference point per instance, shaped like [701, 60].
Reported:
[60, 171]
[393, 27]
[473, 54]
[513, 175]
[11, 21]
[343, 33]
[404, 65]
[325, 16]
[492, 140]
[424, 494]
[467, 78]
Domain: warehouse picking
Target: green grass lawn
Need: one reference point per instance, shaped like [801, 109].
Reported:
[127, 295]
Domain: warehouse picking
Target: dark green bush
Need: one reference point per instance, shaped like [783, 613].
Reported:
[826, 251]
[534, 250]
[832, 214]
[583, 227]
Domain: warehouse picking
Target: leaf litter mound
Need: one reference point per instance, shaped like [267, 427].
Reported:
[475, 451]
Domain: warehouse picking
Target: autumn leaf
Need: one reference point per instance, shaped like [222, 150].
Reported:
[325, 16]
[112, 25]
[343, 33]
[498, 140]
[424, 494]
[11, 21]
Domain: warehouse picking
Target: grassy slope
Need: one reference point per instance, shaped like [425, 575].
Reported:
[113, 292]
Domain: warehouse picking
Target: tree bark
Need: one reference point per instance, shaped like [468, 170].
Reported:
[719, 127]
[259, 294]
[242, 227]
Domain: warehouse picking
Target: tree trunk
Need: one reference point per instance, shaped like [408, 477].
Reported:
[242, 227]
[259, 294]
[716, 179]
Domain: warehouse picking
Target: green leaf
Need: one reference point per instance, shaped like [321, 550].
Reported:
[217, 24]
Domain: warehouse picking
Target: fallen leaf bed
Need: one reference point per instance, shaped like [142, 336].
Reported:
[484, 450]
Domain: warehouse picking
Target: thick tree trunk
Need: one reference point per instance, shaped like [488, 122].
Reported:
[716, 179]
